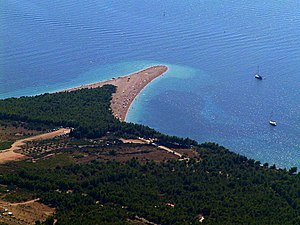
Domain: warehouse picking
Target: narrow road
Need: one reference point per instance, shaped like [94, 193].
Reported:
[145, 221]
[170, 150]
[25, 203]
[146, 141]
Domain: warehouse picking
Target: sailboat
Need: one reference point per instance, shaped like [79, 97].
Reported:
[257, 75]
[272, 122]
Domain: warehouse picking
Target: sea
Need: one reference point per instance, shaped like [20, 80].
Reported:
[212, 48]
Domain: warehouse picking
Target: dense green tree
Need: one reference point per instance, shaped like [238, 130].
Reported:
[224, 187]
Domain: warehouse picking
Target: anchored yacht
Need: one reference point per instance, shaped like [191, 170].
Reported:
[257, 75]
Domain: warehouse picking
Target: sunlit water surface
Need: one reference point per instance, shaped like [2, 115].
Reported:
[212, 49]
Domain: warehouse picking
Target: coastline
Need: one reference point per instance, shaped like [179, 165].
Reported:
[128, 88]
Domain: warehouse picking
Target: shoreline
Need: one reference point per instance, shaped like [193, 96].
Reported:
[128, 88]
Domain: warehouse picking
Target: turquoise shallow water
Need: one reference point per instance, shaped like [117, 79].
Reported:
[212, 49]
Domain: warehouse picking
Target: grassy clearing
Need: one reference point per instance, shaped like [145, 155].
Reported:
[5, 144]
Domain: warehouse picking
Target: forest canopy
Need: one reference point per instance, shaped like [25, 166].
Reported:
[86, 110]
[220, 186]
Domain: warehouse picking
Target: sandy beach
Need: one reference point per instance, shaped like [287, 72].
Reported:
[128, 87]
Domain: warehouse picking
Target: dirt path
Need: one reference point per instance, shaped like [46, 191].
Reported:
[25, 203]
[10, 154]
[146, 141]
[132, 141]
[170, 150]
[144, 221]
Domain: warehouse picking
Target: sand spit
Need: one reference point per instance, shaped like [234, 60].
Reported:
[128, 87]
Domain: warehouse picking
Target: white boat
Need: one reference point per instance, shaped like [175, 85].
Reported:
[273, 123]
[257, 75]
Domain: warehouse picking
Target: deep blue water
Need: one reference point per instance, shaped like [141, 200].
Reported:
[212, 48]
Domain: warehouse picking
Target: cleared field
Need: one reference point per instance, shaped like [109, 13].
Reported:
[24, 213]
